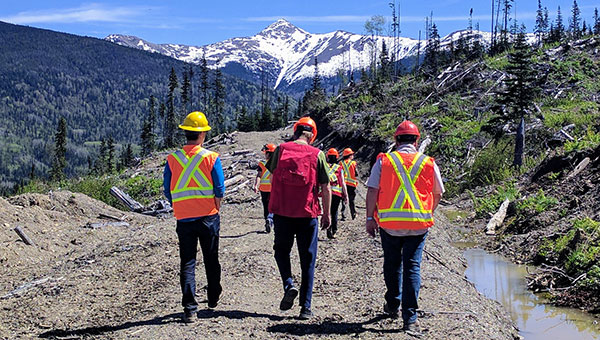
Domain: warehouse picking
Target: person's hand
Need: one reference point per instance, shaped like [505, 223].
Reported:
[325, 221]
[372, 227]
[255, 190]
[345, 198]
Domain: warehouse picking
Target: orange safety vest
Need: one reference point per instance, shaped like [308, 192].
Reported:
[265, 178]
[191, 182]
[405, 198]
[349, 172]
[335, 180]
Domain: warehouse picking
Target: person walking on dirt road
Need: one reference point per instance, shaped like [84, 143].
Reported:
[404, 190]
[298, 169]
[351, 179]
[194, 184]
[338, 189]
[263, 184]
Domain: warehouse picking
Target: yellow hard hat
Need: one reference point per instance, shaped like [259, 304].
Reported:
[195, 121]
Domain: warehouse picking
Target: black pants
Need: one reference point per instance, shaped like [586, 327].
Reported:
[306, 231]
[206, 229]
[264, 197]
[351, 197]
[335, 205]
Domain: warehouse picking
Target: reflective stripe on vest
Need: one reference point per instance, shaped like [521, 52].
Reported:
[348, 176]
[407, 193]
[336, 186]
[182, 191]
[265, 178]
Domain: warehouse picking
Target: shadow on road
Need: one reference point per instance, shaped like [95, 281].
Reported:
[330, 328]
[99, 330]
[236, 314]
[244, 234]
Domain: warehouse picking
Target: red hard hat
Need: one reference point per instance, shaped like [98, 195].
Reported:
[407, 128]
[333, 152]
[307, 121]
[348, 152]
[269, 148]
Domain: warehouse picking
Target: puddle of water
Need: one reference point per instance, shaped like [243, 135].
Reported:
[505, 282]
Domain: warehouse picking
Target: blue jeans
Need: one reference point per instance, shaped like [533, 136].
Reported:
[402, 272]
[305, 230]
[206, 230]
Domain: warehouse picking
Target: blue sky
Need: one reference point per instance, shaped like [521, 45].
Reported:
[202, 22]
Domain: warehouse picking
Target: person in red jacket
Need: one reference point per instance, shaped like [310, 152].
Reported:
[405, 188]
[298, 171]
[338, 189]
[263, 184]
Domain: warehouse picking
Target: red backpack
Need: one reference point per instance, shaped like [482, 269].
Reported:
[294, 187]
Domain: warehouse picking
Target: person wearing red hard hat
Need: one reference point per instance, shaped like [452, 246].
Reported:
[404, 190]
[298, 170]
[338, 189]
[263, 184]
[351, 178]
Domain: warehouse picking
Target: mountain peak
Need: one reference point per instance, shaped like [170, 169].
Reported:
[281, 28]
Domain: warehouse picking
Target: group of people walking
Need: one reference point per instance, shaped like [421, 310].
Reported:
[298, 183]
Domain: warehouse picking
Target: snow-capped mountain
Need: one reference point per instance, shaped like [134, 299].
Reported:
[286, 53]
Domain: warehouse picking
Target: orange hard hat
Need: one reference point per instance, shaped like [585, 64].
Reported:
[309, 122]
[347, 152]
[269, 148]
[333, 152]
[407, 128]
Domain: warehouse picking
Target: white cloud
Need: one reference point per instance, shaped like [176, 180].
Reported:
[85, 13]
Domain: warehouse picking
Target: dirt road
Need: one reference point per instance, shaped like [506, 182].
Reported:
[122, 282]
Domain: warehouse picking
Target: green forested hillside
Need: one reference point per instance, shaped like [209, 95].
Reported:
[100, 88]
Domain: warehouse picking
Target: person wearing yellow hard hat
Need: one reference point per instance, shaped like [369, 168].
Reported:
[351, 178]
[298, 171]
[263, 184]
[194, 184]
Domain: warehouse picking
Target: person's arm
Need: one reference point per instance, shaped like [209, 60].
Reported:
[167, 183]
[344, 189]
[257, 180]
[218, 179]
[436, 201]
[272, 162]
[371, 225]
[326, 198]
[438, 186]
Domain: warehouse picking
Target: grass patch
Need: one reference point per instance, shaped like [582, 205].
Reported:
[490, 203]
[537, 203]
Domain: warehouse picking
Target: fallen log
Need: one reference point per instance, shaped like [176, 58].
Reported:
[106, 224]
[23, 236]
[24, 287]
[241, 152]
[424, 144]
[579, 168]
[238, 187]
[497, 219]
[129, 202]
[236, 179]
[111, 217]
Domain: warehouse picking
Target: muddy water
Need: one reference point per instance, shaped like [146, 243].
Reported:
[505, 282]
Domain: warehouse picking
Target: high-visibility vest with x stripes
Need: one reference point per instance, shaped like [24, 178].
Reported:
[405, 198]
[191, 182]
[265, 178]
[349, 172]
[335, 175]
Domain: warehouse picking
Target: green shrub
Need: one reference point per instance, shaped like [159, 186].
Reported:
[592, 279]
[96, 187]
[144, 189]
[492, 165]
[589, 141]
[536, 203]
[491, 203]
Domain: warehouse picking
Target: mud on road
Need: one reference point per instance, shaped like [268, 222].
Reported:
[123, 283]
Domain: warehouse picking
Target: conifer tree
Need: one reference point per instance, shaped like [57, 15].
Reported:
[431, 62]
[204, 85]
[539, 24]
[386, 67]
[100, 166]
[148, 136]
[219, 98]
[596, 22]
[245, 121]
[171, 116]
[59, 163]
[110, 155]
[560, 27]
[520, 86]
[126, 157]
[185, 93]
[575, 22]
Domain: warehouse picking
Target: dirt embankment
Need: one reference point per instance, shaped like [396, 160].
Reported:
[122, 282]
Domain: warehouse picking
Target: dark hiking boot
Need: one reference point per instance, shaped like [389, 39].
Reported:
[288, 298]
[413, 329]
[305, 314]
[394, 314]
[267, 226]
[189, 316]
